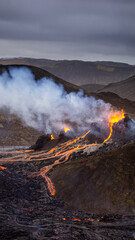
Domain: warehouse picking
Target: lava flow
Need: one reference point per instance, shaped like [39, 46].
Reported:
[113, 118]
[52, 137]
[66, 129]
[59, 154]
[62, 154]
[2, 168]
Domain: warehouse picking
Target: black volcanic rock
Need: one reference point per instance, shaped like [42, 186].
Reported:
[29, 212]
[45, 142]
[102, 182]
[41, 142]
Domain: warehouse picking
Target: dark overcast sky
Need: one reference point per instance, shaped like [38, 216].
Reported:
[68, 29]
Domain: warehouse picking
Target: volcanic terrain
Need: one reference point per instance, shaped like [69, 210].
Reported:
[79, 200]
[69, 186]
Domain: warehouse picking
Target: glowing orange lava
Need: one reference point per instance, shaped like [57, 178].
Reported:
[52, 137]
[77, 220]
[2, 168]
[60, 153]
[66, 129]
[114, 117]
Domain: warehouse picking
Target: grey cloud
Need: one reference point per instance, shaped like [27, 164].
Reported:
[90, 24]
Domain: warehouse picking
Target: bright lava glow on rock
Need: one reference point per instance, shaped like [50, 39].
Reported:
[66, 129]
[113, 118]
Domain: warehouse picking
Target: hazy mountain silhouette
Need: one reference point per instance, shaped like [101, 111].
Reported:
[80, 72]
[125, 88]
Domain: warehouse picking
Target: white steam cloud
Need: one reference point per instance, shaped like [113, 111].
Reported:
[45, 105]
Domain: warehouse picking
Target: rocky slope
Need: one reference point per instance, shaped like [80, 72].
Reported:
[125, 89]
[99, 182]
[14, 133]
[92, 87]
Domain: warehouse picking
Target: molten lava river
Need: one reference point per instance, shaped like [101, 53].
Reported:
[29, 208]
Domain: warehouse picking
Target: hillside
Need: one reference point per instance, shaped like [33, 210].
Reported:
[125, 89]
[80, 72]
[40, 73]
[13, 132]
[92, 87]
[92, 183]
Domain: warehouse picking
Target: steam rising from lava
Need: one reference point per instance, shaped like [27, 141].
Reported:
[46, 106]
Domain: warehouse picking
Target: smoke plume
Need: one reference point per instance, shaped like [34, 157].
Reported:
[45, 105]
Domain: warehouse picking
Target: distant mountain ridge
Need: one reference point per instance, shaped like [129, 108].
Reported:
[125, 88]
[80, 72]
